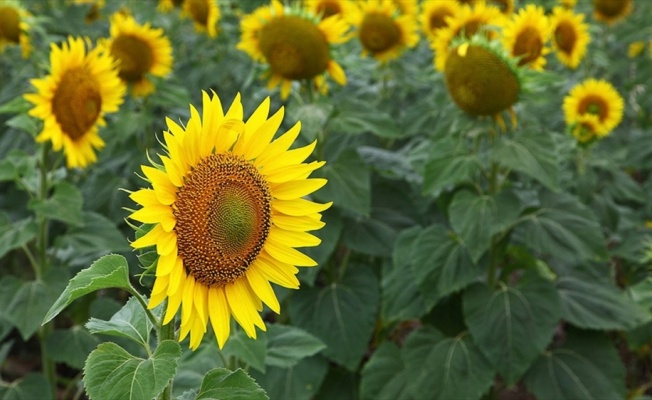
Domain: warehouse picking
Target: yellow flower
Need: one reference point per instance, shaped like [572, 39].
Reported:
[435, 14]
[140, 50]
[525, 36]
[327, 8]
[295, 45]
[382, 32]
[205, 14]
[585, 128]
[93, 10]
[597, 97]
[570, 36]
[228, 213]
[570, 4]
[635, 49]
[168, 5]
[505, 6]
[611, 11]
[468, 21]
[72, 101]
[13, 26]
[407, 7]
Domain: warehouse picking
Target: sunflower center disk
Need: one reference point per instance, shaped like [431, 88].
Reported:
[328, 8]
[528, 45]
[565, 37]
[199, 11]
[593, 105]
[294, 48]
[9, 24]
[77, 102]
[135, 57]
[438, 20]
[379, 33]
[480, 82]
[611, 8]
[223, 214]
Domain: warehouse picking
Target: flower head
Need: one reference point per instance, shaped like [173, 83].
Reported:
[168, 5]
[435, 14]
[585, 128]
[505, 6]
[13, 26]
[328, 8]
[597, 97]
[525, 36]
[204, 13]
[94, 7]
[570, 36]
[72, 101]
[611, 11]
[228, 213]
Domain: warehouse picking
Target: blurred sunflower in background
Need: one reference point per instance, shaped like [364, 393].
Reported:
[168, 5]
[585, 128]
[295, 44]
[505, 6]
[434, 16]
[612, 11]
[570, 36]
[228, 212]
[382, 31]
[596, 97]
[72, 101]
[14, 29]
[570, 4]
[94, 7]
[327, 8]
[525, 37]
[407, 7]
[204, 13]
[140, 51]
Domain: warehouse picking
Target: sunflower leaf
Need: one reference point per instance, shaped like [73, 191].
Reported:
[287, 345]
[299, 382]
[384, 375]
[349, 183]
[65, 205]
[130, 322]
[248, 350]
[31, 386]
[71, 346]
[221, 383]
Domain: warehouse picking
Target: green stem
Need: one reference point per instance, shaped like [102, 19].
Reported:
[166, 332]
[494, 187]
[225, 362]
[46, 363]
[152, 317]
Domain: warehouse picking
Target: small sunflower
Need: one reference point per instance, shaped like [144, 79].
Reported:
[434, 16]
[328, 8]
[597, 97]
[94, 7]
[585, 128]
[570, 36]
[14, 28]
[635, 49]
[611, 11]
[140, 50]
[168, 5]
[467, 22]
[525, 36]
[382, 32]
[295, 45]
[570, 4]
[205, 14]
[228, 213]
[72, 101]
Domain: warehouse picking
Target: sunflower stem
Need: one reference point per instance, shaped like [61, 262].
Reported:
[152, 317]
[166, 332]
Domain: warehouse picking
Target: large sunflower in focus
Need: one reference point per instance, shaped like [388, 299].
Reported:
[72, 101]
[434, 16]
[382, 32]
[13, 26]
[611, 11]
[597, 97]
[328, 8]
[525, 37]
[140, 50]
[228, 212]
[295, 45]
[204, 13]
[570, 36]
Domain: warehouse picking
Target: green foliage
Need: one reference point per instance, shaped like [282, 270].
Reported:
[221, 383]
[130, 322]
[32, 386]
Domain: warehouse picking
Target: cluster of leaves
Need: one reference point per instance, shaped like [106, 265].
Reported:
[457, 260]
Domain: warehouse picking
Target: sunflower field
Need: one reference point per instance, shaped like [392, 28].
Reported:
[326, 199]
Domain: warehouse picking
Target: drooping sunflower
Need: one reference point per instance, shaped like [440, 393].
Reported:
[204, 13]
[597, 97]
[434, 16]
[72, 101]
[228, 213]
[382, 31]
[525, 37]
[14, 28]
[294, 44]
[140, 50]
[467, 22]
[585, 128]
[327, 8]
[611, 11]
[570, 36]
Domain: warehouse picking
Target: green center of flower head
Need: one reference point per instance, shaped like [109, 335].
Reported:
[9, 24]
[528, 46]
[379, 33]
[294, 47]
[480, 82]
[223, 213]
[611, 8]
[134, 56]
[328, 8]
[198, 10]
[565, 37]
[77, 102]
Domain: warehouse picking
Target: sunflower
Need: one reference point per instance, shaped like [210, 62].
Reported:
[205, 14]
[13, 26]
[295, 45]
[382, 32]
[585, 128]
[611, 11]
[407, 7]
[468, 21]
[570, 36]
[327, 8]
[140, 50]
[168, 5]
[434, 16]
[597, 97]
[570, 4]
[525, 36]
[94, 7]
[73, 99]
[228, 213]
[505, 6]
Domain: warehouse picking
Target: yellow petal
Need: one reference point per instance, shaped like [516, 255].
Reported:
[243, 307]
[218, 310]
[150, 238]
[160, 284]
[294, 238]
[262, 288]
[299, 207]
[297, 189]
[287, 254]
[277, 272]
[292, 172]
[177, 276]
[201, 295]
[258, 140]
[166, 264]
[197, 333]
[290, 157]
[156, 214]
[298, 224]
[173, 305]
[145, 197]
[186, 304]
[167, 243]
[279, 145]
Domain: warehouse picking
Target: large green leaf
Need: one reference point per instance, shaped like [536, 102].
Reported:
[341, 314]
[15, 234]
[248, 350]
[31, 386]
[587, 367]
[330, 236]
[353, 121]
[287, 345]
[71, 346]
[111, 369]
[110, 271]
[472, 217]
[384, 375]
[349, 183]
[533, 154]
[444, 368]
[299, 382]
[65, 205]
[449, 170]
[221, 383]
[369, 235]
[514, 324]
[130, 322]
